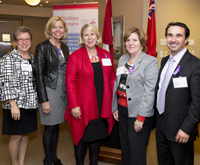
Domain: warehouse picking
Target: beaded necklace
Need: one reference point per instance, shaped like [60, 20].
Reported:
[94, 58]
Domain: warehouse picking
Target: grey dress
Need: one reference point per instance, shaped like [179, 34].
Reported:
[57, 98]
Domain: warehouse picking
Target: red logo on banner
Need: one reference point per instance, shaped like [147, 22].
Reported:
[92, 21]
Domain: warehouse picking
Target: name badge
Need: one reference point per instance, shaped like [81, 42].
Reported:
[26, 67]
[106, 62]
[180, 82]
[120, 70]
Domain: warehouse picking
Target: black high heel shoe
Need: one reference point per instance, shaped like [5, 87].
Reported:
[47, 163]
[58, 162]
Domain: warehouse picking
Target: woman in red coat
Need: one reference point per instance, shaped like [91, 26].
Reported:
[89, 81]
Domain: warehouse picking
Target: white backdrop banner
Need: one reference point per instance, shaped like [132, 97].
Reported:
[75, 16]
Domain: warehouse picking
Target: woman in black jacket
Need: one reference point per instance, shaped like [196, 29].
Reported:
[50, 61]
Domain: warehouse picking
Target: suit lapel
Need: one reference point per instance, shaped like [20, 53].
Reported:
[124, 60]
[183, 62]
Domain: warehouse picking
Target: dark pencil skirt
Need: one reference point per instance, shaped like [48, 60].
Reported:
[26, 124]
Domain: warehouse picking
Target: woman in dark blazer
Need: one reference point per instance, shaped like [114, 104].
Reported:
[50, 61]
[133, 97]
[89, 90]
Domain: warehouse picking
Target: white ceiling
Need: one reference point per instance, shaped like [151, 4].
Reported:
[43, 2]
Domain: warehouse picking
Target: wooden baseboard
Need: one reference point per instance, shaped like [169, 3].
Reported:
[110, 155]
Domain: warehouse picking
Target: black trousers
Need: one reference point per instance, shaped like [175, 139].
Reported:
[133, 144]
[170, 152]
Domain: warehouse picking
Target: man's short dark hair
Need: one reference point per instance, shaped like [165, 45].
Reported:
[187, 30]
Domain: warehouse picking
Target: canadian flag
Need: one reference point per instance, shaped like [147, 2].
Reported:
[151, 30]
[107, 29]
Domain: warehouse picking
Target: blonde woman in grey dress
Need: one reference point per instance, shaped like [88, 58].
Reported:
[50, 61]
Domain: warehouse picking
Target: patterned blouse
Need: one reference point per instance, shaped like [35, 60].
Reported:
[121, 91]
[17, 81]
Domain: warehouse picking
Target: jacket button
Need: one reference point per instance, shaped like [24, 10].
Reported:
[127, 86]
[129, 99]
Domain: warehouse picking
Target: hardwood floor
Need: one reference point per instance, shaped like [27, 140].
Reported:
[35, 153]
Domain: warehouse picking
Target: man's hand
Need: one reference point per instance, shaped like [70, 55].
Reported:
[181, 137]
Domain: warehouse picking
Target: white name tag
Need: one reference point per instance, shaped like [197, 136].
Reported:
[106, 62]
[120, 70]
[180, 82]
[26, 67]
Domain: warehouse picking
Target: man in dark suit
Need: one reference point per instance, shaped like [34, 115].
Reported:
[177, 100]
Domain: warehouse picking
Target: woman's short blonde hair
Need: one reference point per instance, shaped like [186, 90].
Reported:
[51, 22]
[91, 28]
[21, 29]
[141, 34]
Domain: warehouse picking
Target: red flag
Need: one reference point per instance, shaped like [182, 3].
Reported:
[151, 30]
[107, 29]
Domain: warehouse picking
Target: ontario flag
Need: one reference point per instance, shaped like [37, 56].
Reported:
[151, 30]
[107, 36]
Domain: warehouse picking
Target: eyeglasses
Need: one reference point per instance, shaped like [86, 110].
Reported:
[22, 40]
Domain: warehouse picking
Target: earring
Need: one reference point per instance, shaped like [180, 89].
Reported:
[142, 48]
[49, 35]
[97, 42]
